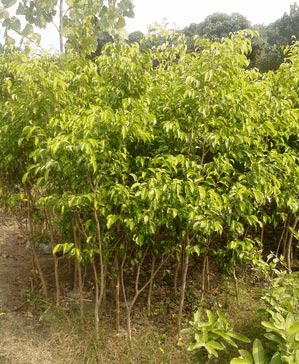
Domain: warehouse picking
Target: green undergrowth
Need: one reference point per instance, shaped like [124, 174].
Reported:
[269, 336]
[240, 316]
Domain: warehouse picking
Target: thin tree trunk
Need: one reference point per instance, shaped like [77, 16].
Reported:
[208, 272]
[104, 294]
[117, 294]
[80, 285]
[285, 237]
[61, 45]
[236, 284]
[34, 253]
[281, 238]
[79, 270]
[40, 272]
[129, 304]
[290, 246]
[129, 325]
[184, 283]
[203, 276]
[75, 277]
[97, 302]
[175, 278]
[123, 287]
[150, 288]
[55, 258]
[262, 234]
[101, 257]
[57, 281]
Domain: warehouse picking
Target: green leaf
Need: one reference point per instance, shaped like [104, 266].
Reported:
[210, 316]
[15, 24]
[121, 23]
[294, 329]
[240, 361]
[276, 359]
[24, 178]
[57, 248]
[211, 350]
[28, 29]
[258, 352]
[215, 345]
[237, 336]
[195, 346]
[289, 320]
[246, 355]
[111, 219]
[205, 335]
[64, 247]
[208, 75]
[270, 326]
[273, 337]
[225, 337]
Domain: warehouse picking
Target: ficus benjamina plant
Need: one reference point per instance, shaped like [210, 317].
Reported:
[143, 157]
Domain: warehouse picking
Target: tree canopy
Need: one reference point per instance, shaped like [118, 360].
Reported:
[218, 25]
[79, 23]
[145, 156]
[148, 154]
[284, 30]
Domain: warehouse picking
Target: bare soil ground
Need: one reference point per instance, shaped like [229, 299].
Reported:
[34, 331]
[21, 338]
[27, 336]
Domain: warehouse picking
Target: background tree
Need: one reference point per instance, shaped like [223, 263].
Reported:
[268, 51]
[282, 31]
[79, 23]
[218, 25]
[136, 36]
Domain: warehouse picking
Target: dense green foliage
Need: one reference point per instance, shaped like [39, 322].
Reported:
[278, 342]
[79, 23]
[141, 158]
[212, 336]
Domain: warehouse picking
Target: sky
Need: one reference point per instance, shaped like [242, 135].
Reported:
[178, 14]
[182, 13]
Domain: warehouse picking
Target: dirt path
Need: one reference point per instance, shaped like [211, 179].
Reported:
[21, 340]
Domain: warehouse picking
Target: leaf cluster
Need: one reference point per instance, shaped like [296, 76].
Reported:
[212, 335]
[281, 343]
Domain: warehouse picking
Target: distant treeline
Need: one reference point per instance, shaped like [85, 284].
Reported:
[268, 50]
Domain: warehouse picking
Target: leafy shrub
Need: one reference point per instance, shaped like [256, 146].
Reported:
[281, 343]
[281, 337]
[211, 336]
